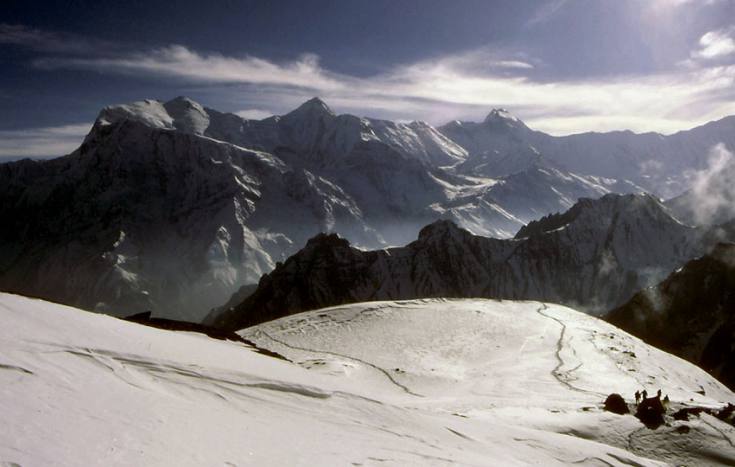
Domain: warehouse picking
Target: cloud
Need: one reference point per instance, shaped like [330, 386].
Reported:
[513, 64]
[254, 114]
[181, 62]
[716, 44]
[42, 142]
[51, 42]
[712, 195]
[546, 11]
[676, 3]
[457, 86]
[659, 102]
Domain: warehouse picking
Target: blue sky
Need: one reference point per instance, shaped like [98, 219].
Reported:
[564, 66]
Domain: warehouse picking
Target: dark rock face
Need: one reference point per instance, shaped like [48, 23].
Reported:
[327, 270]
[725, 413]
[616, 404]
[611, 248]
[691, 314]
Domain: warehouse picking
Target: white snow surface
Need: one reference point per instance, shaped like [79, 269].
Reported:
[429, 382]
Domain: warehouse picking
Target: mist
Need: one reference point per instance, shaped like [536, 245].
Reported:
[710, 198]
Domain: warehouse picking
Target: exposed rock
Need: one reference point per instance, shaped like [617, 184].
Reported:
[616, 404]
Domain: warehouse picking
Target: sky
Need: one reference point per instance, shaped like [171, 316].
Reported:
[563, 66]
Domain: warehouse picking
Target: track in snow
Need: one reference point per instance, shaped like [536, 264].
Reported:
[335, 354]
[556, 372]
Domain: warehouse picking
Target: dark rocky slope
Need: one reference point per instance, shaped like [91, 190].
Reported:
[593, 257]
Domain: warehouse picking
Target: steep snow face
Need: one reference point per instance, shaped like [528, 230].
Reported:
[150, 112]
[409, 383]
[690, 314]
[595, 256]
[500, 145]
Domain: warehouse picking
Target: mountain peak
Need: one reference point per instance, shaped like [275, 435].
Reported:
[313, 107]
[188, 116]
[500, 115]
[183, 100]
[328, 240]
[640, 206]
[441, 228]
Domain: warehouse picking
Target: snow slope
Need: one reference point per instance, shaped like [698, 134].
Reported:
[438, 382]
[503, 366]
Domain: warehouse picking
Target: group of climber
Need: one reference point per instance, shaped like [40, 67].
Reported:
[641, 396]
[651, 410]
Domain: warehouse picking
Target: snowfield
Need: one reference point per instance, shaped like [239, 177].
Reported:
[423, 382]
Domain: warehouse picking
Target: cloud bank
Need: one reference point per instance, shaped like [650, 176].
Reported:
[460, 85]
[42, 142]
[712, 196]
[716, 44]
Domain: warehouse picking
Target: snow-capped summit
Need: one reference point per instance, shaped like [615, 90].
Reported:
[188, 116]
[150, 112]
[501, 115]
[500, 145]
[313, 108]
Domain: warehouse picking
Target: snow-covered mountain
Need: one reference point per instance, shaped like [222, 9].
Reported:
[661, 164]
[426, 383]
[173, 207]
[691, 314]
[594, 256]
[310, 134]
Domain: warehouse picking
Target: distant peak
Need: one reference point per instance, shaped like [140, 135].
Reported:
[328, 240]
[440, 227]
[499, 115]
[183, 101]
[314, 106]
[638, 205]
